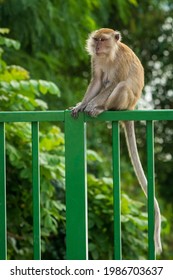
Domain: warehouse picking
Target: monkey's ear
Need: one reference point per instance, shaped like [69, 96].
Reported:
[117, 35]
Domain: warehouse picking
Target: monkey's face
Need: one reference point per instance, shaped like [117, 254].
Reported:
[101, 42]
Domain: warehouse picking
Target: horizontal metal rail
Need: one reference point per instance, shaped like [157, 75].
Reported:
[145, 115]
[42, 116]
[35, 116]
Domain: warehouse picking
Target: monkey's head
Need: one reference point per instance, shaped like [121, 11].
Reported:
[103, 42]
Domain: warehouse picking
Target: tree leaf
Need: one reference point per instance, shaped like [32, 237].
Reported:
[43, 86]
[9, 43]
[4, 30]
[15, 84]
[54, 89]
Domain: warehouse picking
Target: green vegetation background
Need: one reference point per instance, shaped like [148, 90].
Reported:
[43, 65]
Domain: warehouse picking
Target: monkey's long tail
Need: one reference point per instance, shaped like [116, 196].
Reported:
[134, 156]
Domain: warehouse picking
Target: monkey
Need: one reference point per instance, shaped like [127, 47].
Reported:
[116, 84]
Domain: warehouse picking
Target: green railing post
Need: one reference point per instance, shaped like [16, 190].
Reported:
[116, 190]
[36, 190]
[76, 189]
[151, 188]
[3, 225]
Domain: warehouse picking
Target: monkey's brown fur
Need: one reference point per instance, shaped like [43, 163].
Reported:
[116, 84]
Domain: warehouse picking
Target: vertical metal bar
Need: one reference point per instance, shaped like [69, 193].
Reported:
[3, 225]
[36, 190]
[116, 190]
[76, 188]
[151, 188]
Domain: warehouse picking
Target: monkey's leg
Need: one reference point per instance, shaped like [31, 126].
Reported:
[97, 105]
[121, 98]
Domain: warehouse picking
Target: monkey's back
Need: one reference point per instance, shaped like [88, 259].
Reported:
[131, 66]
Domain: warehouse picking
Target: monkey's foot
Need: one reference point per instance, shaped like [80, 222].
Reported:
[94, 112]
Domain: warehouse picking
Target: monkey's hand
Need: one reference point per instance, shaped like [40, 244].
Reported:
[75, 112]
[78, 108]
[92, 110]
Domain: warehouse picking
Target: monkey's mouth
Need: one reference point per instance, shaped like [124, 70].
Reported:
[100, 53]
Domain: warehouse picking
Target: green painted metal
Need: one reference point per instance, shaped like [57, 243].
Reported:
[147, 115]
[36, 191]
[76, 189]
[36, 116]
[106, 116]
[116, 190]
[3, 225]
[151, 188]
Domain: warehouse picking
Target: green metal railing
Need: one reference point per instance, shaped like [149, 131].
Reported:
[76, 186]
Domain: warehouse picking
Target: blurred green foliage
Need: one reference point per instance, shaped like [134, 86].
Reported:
[52, 38]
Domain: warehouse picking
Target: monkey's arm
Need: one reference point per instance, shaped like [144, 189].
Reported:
[97, 104]
[93, 89]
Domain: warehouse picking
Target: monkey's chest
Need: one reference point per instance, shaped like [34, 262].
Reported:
[106, 82]
[108, 77]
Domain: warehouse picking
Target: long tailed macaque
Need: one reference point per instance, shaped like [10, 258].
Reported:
[116, 84]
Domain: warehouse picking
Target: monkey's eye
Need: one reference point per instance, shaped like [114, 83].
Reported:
[99, 39]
